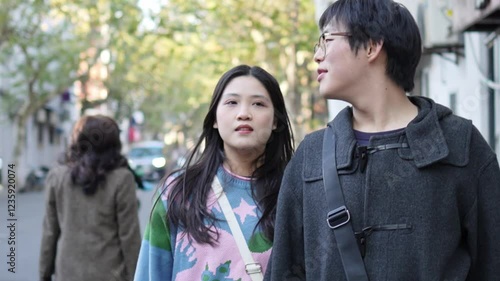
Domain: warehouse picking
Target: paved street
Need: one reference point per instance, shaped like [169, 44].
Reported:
[28, 228]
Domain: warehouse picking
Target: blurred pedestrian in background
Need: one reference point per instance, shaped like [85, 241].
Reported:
[245, 145]
[91, 226]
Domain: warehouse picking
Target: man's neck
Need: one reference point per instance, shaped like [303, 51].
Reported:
[383, 109]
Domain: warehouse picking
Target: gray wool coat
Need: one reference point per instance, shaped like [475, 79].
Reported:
[90, 238]
[444, 188]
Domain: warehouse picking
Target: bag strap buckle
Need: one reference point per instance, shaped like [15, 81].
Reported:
[253, 268]
[338, 217]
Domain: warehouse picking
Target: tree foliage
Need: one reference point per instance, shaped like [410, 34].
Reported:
[39, 58]
[45, 46]
[196, 41]
[164, 62]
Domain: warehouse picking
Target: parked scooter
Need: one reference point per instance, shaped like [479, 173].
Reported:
[35, 179]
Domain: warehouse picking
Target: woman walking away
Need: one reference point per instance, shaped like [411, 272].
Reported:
[91, 226]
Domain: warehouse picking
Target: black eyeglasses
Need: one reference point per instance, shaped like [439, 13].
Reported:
[321, 45]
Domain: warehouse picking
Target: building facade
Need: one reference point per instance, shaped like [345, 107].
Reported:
[479, 21]
[46, 137]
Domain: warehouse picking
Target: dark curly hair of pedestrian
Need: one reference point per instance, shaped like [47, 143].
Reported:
[94, 151]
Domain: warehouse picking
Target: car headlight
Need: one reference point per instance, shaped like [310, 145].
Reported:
[159, 162]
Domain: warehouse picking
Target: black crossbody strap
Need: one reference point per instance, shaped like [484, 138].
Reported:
[339, 218]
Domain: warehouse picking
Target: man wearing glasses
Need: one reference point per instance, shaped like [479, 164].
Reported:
[419, 185]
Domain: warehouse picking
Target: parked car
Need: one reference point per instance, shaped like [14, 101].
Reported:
[147, 159]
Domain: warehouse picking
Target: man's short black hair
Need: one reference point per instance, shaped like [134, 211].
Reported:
[381, 21]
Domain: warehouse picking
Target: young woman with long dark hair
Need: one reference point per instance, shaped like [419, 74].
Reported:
[245, 144]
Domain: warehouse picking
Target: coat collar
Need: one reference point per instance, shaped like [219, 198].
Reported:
[432, 136]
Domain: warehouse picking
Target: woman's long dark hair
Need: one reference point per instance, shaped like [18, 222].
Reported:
[95, 150]
[188, 194]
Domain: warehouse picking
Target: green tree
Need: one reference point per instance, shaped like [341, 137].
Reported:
[39, 55]
[165, 64]
[202, 39]
[45, 46]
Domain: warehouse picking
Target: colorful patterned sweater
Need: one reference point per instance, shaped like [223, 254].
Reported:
[167, 254]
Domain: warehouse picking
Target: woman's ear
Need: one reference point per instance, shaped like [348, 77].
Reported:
[275, 123]
[215, 125]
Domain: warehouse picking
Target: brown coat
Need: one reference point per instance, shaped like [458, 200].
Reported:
[90, 238]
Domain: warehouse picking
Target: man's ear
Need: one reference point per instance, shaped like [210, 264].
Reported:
[374, 49]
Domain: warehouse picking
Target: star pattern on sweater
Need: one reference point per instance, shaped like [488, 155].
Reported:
[244, 210]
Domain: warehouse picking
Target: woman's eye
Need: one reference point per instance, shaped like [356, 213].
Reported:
[230, 102]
